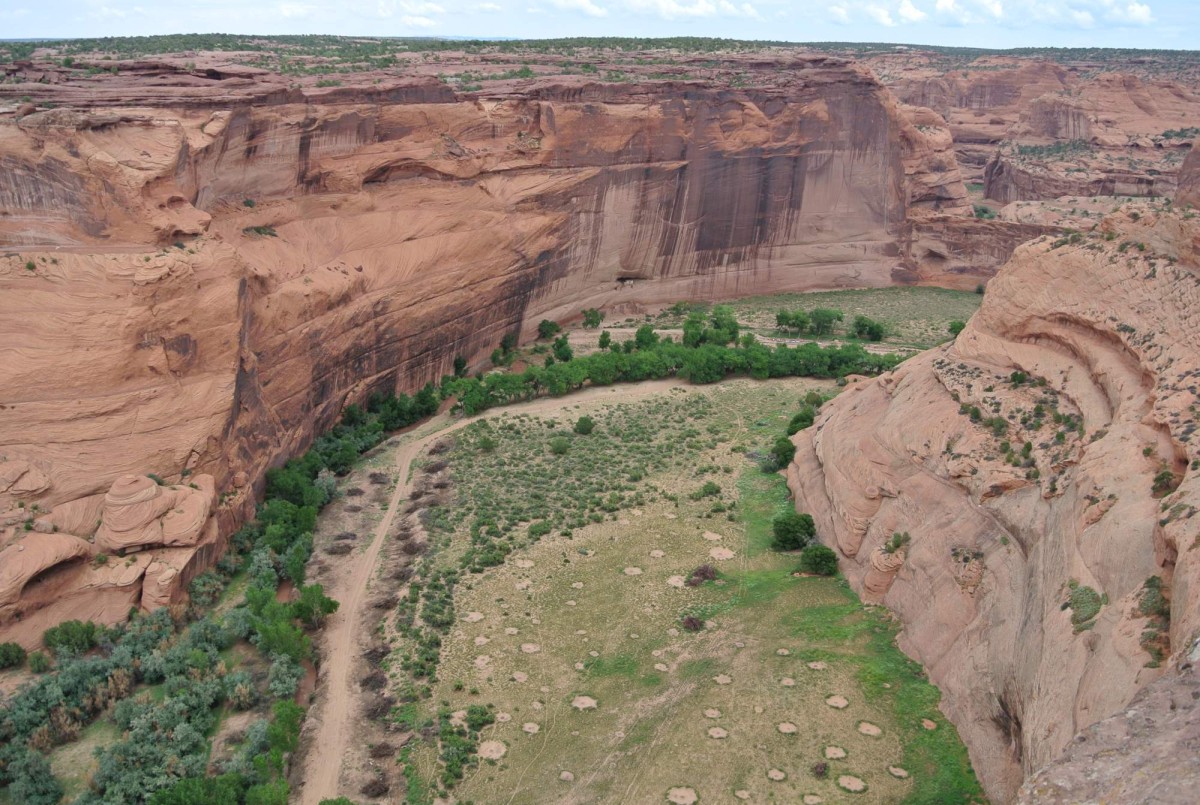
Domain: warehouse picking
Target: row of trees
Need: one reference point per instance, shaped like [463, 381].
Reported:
[822, 322]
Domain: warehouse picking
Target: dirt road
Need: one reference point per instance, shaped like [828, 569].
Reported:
[335, 709]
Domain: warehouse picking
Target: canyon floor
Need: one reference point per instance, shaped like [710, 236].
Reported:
[573, 651]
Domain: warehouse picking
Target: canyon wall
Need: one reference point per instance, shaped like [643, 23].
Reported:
[195, 291]
[1010, 495]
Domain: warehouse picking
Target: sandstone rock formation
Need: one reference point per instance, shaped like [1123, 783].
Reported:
[1083, 129]
[1043, 464]
[95, 557]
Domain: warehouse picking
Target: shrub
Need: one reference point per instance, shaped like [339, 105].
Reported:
[39, 663]
[592, 318]
[956, 327]
[702, 574]
[284, 676]
[792, 531]
[562, 349]
[11, 655]
[32, 781]
[692, 624]
[249, 202]
[1085, 604]
[803, 419]
[228, 789]
[605, 340]
[71, 637]
[818, 560]
[898, 541]
[548, 329]
[783, 450]
[559, 445]
[584, 425]
[708, 490]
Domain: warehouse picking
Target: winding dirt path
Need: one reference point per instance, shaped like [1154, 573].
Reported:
[335, 709]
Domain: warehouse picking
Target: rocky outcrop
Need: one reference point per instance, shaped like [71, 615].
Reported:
[1042, 465]
[1189, 180]
[1140, 756]
[1008, 179]
[137, 545]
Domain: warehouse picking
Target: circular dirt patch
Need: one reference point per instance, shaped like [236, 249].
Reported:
[482, 661]
[520, 676]
[656, 554]
[721, 554]
[787, 728]
[530, 728]
[929, 725]
[849, 782]
[837, 701]
[742, 793]
[834, 753]
[567, 777]
[898, 773]
[676, 581]
[473, 617]
[530, 648]
[524, 563]
[777, 775]
[481, 641]
[782, 652]
[658, 666]
[503, 718]
[812, 799]
[511, 630]
[712, 712]
[711, 536]
[867, 728]
[577, 585]
[787, 682]
[492, 750]
[817, 666]
[722, 679]
[682, 796]
[633, 571]
[584, 703]
[717, 732]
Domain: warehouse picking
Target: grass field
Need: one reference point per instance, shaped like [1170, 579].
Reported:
[575, 647]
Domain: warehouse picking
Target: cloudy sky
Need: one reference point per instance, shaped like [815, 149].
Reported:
[982, 23]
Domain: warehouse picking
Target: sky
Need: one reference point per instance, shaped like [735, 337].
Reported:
[975, 23]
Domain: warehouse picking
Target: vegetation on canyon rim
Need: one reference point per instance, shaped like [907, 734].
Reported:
[164, 683]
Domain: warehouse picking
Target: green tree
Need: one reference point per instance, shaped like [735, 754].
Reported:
[792, 321]
[605, 340]
[313, 605]
[584, 425]
[548, 329]
[819, 560]
[956, 327]
[645, 337]
[228, 789]
[792, 531]
[823, 320]
[71, 637]
[562, 349]
[782, 451]
[460, 366]
[592, 318]
[868, 329]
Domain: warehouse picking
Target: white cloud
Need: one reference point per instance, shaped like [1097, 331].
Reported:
[584, 6]
[1133, 12]
[1083, 19]
[881, 15]
[840, 15]
[993, 7]
[683, 9]
[417, 22]
[487, 8]
[910, 13]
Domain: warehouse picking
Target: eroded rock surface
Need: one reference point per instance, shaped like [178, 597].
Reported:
[1042, 465]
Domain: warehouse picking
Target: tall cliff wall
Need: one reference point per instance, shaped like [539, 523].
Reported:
[200, 289]
[1038, 504]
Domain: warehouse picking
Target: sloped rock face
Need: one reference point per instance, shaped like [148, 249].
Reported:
[203, 287]
[1038, 504]
[1189, 180]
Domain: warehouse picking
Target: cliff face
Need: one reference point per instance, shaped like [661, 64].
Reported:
[1038, 504]
[200, 290]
